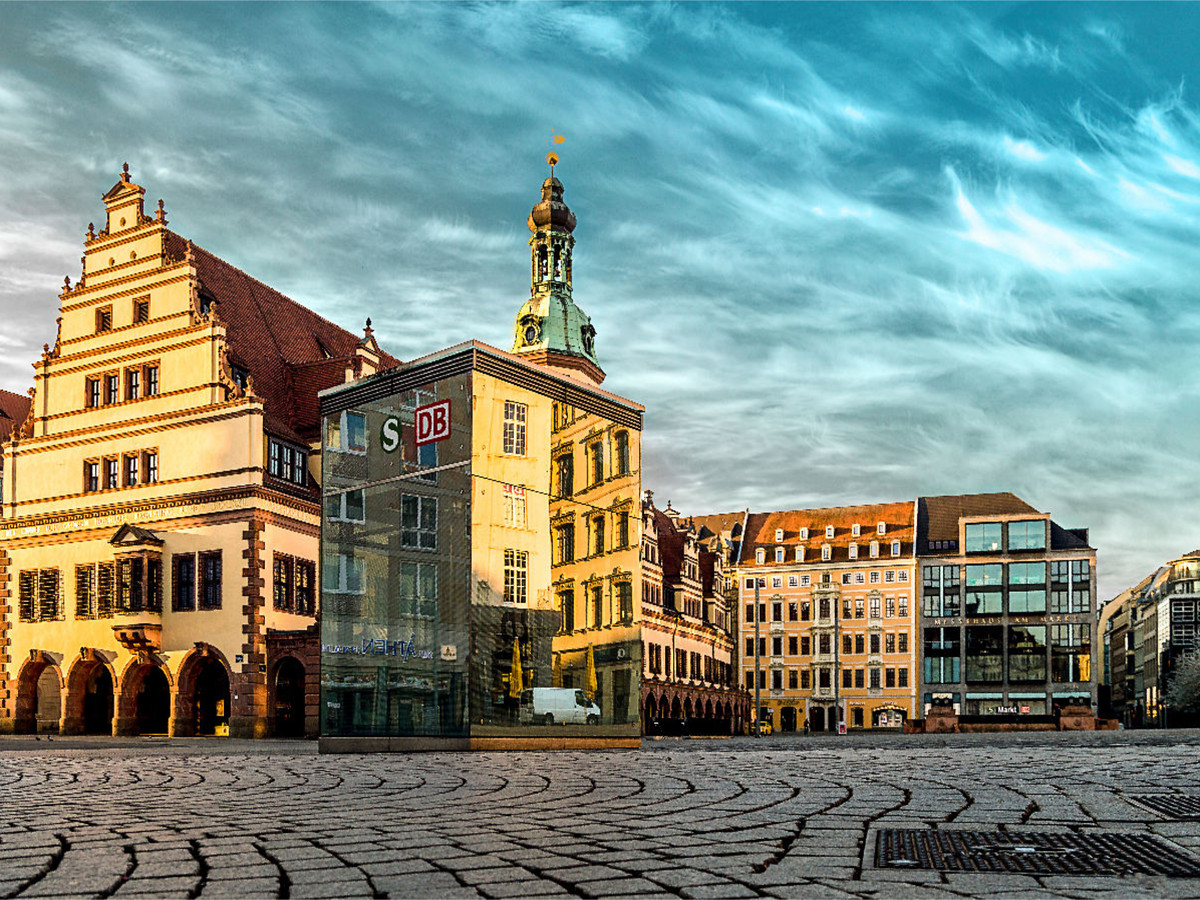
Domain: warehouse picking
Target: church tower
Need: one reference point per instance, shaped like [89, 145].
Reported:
[550, 329]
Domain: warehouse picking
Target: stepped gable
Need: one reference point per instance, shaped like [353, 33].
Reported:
[670, 545]
[13, 410]
[897, 519]
[290, 352]
[937, 517]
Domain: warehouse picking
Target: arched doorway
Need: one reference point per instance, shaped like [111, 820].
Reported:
[39, 695]
[787, 718]
[153, 702]
[49, 701]
[289, 698]
[211, 697]
[816, 718]
[98, 701]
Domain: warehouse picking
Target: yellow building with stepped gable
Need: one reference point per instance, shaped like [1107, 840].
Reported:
[161, 518]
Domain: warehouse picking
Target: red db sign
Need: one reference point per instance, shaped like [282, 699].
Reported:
[433, 422]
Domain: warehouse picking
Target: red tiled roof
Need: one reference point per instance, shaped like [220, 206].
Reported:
[13, 410]
[289, 350]
[897, 519]
[937, 517]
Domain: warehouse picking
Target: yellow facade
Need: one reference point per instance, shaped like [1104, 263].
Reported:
[147, 429]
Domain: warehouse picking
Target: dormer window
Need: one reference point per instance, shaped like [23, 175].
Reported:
[874, 549]
[854, 551]
[881, 528]
[206, 303]
[855, 529]
[760, 556]
[778, 535]
[895, 548]
[826, 552]
[829, 531]
[779, 551]
[240, 376]
[799, 554]
[804, 534]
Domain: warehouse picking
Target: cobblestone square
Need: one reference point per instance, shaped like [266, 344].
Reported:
[785, 816]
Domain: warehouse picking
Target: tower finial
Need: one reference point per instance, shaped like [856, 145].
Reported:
[125, 172]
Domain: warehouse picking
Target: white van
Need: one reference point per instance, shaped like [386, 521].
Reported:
[562, 706]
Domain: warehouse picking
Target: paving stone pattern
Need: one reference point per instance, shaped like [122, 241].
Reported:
[777, 817]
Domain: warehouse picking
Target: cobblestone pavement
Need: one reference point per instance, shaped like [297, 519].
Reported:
[777, 817]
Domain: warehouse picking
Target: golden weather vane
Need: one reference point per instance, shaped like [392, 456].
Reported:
[552, 157]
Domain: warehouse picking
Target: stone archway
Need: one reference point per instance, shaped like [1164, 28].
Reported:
[202, 703]
[90, 701]
[287, 698]
[39, 682]
[144, 706]
[816, 718]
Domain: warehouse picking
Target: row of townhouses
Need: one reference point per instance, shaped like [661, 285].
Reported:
[223, 514]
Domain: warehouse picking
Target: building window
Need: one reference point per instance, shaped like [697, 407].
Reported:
[805, 580]
[902, 675]
[622, 537]
[564, 543]
[566, 607]
[776, 581]
[621, 453]
[981, 537]
[799, 554]
[805, 680]
[889, 643]
[91, 393]
[1070, 652]
[210, 580]
[940, 590]
[287, 462]
[112, 388]
[874, 550]
[112, 473]
[418, 522]
[284, 583]
[38, 598]
[514, 505]
[859, 578]
[105, 589]
[826, 552]
[514, 427]
[347, 434]
[875, 679]
[596, 534]
[902, 641]
[564, 475]
[103, 319]
[85, 592]
[625, 601]
[829, 531]
[596, 459]
[141, 311]
[1070, 586]
[889, 678]
[985, 653]
[598, 607]
[890, 607]
[873, 642]
[881, 528]
[853, 551]
[1027, 535]
[1027, 653]
[418, 590]
[91, 475]
[306, 579]
[895, 548]
[351, 506]
[516, 576]
[343, 574]
[847, 578]
[133, 384]
[847, 644]
[860, 644]
[151, 459]
[984, 590]
[942, 653]
[760, 556]
[1027, 587]
[151, 381]
[183, 588]
[779, 557]
[131, 470]
[860, 678]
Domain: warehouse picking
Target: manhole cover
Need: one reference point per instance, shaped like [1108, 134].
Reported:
[1175, 806]
[1033, 854]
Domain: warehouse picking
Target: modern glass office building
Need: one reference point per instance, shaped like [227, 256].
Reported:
[480, 576]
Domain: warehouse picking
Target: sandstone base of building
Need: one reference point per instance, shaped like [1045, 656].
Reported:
[452, 745]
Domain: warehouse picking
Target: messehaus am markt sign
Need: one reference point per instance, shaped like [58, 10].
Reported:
[432, 424]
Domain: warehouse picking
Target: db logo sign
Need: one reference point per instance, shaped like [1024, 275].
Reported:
[433, 422]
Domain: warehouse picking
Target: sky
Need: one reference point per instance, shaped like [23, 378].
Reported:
[843, 254]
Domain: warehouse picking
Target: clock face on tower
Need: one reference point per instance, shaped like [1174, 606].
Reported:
[531, 334]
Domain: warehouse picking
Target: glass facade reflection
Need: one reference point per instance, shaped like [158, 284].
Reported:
[473, 585]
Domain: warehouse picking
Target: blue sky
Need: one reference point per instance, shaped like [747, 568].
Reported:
[842, 253]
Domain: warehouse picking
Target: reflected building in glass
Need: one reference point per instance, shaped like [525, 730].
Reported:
[480, 543]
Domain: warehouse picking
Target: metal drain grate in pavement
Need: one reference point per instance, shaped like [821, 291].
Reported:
[1175, 806]
[1066, 853]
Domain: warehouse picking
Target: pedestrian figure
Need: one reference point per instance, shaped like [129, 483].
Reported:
[806, 727]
